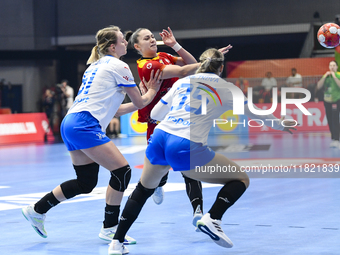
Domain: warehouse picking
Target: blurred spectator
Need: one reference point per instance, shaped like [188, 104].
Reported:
[243, 84]
[295, 80]
[268, 83]
[66, 97]
[114, 128]
[48, 106]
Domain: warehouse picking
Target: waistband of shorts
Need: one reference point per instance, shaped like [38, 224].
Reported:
[84, 115]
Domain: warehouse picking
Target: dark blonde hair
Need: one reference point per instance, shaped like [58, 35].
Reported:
[211, 60]
[104, 37]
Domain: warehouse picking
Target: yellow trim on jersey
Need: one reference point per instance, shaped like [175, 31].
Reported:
[141, 62]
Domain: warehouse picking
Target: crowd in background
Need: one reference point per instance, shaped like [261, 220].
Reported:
[262, 88]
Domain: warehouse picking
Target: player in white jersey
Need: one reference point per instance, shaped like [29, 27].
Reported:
[187, 113]
[104, 85]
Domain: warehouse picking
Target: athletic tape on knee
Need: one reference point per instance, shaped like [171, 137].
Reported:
[120, 178]
[87, 178]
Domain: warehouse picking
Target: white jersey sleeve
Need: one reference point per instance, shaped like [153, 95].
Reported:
[101, 91]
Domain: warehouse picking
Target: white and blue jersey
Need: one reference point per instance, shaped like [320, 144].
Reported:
[99, 97]
[101, 92]
[187, 113]
[194, 102]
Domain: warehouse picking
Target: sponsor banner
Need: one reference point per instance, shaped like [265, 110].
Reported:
[315, 122]
[131, 127]
[24, 127]
[278, 67]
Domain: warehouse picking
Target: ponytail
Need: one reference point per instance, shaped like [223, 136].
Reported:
[211, 60]
[104, 38]
[94, 55]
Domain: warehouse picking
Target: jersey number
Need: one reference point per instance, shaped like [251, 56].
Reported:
[87, 81]
[184, 96]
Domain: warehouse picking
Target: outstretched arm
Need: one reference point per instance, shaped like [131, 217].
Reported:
[170, 40]
[271, 121]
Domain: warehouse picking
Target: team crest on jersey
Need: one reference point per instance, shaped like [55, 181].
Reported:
[149, 65]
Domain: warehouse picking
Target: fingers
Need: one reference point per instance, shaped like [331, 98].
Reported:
[142, 87]
[170, 31]
[226, 49]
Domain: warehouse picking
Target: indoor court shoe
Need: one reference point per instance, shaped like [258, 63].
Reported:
[197, 216]
[158, 195]
[213, 229]
[117, 248]
[107, 234]
[36, 219]
[334, 144]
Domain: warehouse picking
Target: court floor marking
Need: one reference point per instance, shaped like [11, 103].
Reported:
[19, 201]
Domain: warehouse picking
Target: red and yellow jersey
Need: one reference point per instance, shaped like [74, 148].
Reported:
[145, 66]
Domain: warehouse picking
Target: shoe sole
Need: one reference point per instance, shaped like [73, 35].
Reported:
[219, 241]
[34, 227]
[194, 222]
[105, 238]
[158, 202]
[118, 253]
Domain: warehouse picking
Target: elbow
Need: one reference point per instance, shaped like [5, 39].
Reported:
[139, 105]
[183, 73]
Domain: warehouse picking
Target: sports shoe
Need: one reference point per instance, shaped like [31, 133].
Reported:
[197, 216]
[158, 195]
[334, 144]
[107, 234]
[36, 219]
[213, 229]
[117, 248]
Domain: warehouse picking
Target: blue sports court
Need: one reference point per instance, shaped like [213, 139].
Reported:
[280, 213]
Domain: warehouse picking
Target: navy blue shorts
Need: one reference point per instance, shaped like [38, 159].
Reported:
[180, 153]
[82, 131]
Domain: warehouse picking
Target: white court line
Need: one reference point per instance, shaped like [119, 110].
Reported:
[19, 201]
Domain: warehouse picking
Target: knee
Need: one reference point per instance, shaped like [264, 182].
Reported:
[87, 177]
[120, 178]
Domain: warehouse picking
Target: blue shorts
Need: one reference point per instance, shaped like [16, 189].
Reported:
[82, 131]
[180, 153]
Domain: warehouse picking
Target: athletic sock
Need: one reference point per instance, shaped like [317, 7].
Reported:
[131, 210]
[46, 203]
[194, 192]
[226, 197]
[164, 180]
[111, 215]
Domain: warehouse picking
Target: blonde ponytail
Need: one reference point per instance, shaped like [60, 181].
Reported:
[94, 55]
[104, 38]
[211, 60]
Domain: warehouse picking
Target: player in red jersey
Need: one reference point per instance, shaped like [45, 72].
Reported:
[172, 68]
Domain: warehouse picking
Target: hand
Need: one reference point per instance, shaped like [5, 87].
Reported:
[289, 125]
[155, 81]
[143, 88]
[168, 37]
[224, 50]
[328, 73]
